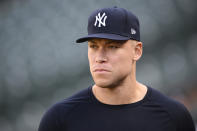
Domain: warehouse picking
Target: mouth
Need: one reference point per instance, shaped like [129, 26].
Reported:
[101, 70]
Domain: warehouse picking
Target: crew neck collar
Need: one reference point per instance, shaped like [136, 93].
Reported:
[121, 106]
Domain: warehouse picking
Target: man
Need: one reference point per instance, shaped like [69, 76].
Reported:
[116, 102]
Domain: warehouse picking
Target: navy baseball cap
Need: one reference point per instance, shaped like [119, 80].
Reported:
[112, 23]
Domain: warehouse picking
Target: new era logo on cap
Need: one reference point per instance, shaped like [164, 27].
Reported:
[112, 23]
[133, 32]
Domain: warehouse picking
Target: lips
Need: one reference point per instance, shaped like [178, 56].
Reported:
[101, 70]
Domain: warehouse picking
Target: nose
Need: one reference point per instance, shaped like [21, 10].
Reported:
[101, 56]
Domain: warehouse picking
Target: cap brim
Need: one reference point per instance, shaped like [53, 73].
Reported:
[102, 35]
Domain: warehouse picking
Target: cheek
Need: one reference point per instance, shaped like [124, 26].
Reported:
[91, 60]
[122, 65]
[122, 60]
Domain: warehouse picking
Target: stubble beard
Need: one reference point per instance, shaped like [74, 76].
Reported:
[115, 83]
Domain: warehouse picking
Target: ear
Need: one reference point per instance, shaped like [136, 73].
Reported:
[138, 49]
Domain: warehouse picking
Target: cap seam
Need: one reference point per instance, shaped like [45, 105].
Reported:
[126, 19]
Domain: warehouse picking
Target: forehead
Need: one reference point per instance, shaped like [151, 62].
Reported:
[106, 41]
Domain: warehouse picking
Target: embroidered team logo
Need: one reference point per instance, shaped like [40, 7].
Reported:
[100, 20]
[133, 32]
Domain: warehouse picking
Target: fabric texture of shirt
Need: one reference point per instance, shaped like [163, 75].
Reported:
[83, 112]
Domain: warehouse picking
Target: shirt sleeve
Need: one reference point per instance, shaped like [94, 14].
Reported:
[51, 120]
[184, 119]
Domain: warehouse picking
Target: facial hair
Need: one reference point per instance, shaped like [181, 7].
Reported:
[115, 84]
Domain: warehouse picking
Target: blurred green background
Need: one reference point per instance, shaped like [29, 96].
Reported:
[40, 63]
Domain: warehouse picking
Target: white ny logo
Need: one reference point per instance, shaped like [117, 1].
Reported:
[100, 19]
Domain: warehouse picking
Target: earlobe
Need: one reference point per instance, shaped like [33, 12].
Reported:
[138, 51]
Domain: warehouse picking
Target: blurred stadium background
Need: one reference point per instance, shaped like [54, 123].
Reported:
[40, 63]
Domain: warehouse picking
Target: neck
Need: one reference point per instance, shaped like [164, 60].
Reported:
[130, 91]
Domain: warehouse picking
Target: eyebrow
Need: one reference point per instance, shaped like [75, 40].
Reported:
[91, 41]
[111, 41]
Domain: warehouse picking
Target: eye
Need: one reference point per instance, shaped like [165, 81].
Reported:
[93, 46]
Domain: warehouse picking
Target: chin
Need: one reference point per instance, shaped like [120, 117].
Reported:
[106, 84]
[109, 83]
[103, 84]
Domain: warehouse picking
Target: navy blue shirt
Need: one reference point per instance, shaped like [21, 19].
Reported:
[83, 112]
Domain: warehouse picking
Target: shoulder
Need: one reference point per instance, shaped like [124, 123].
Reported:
[177, 111]
[160, 98]
[67, 104]
[57, 114]
[166, 102]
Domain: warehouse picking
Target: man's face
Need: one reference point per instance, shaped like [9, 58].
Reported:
[110, 61]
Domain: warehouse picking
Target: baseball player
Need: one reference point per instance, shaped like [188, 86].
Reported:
[116, 101]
